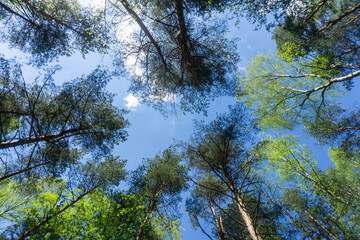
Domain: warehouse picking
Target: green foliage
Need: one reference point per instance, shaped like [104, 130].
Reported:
[325, 29]
[159, 182]
[206, 6]
[96, 216]
[256, 12]
[284, 93]
[286, 157]
[162, 178]
[59, 210]
[183, 58]
[208, 190]
[316, 199]
[166, 229]
[347, 163]
[109, 170]
[338, 127]
[316, 61]
[222, 142]
[343, 180]
[10, 199]
[289, 51]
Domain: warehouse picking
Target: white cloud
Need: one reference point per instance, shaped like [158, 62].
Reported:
[131, 102]
[242, 69]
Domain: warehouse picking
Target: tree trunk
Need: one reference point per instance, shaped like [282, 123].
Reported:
[247, 219]
[221, 221]
[146, 218]
[284, 211]
[219, 230]
[242, 208]
[321, 225]
[182, 34]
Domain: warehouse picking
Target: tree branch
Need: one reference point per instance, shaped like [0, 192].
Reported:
[23, 170]
[141, 24]
[48, 137]
[330, 81]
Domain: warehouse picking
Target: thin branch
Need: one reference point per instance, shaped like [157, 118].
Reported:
[19, 15]
[141, 24]
[313, 12]
[334, 21]
[197, 221]
[23, 170]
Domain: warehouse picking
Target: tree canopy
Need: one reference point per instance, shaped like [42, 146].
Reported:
[246, 174]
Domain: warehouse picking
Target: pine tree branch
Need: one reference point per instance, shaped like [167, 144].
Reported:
[48, 137]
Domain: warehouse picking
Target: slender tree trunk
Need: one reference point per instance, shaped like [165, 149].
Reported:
[150, 210]
[140, 231]
[221, 221]
[219, 230]
[242, 208]
[182, 34]
[283, 210]
[44, 221]
[141, 228]
[247, 218]
[321, 225]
